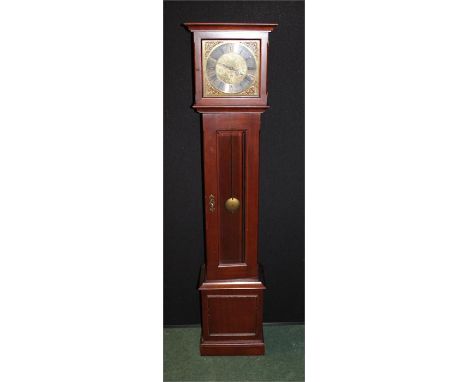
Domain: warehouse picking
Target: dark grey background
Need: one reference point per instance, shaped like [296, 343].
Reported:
[281, 231]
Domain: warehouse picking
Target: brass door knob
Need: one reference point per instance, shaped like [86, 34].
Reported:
[232, 204]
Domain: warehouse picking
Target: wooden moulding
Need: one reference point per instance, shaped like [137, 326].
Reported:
[230, 349]
[230, 109]
[241, 283]
[266, 27]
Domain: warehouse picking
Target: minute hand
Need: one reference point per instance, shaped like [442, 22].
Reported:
[237, 71]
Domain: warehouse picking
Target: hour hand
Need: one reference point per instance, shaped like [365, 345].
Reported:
[228, 67]
[236, 71]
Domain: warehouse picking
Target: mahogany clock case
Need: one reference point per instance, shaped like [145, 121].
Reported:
[281, 188]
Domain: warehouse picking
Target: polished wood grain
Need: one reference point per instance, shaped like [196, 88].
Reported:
[249, 125]
[231, 284]
[232, 315]
[231, 173]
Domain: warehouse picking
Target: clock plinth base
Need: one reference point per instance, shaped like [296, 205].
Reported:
[232, 314]
[218, 348]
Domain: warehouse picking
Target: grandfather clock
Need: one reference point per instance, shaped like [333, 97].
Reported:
[230, 71]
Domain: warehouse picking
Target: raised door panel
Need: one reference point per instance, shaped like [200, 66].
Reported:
[231, 173]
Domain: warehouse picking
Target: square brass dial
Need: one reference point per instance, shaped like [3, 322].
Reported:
[231, 68]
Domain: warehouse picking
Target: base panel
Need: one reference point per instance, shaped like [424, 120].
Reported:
[232, 315]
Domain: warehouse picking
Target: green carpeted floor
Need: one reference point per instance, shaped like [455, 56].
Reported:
[283, 359]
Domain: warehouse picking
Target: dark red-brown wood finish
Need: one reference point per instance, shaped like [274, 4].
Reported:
[219, 222]
[231, 286]
[231, 31]
[232, 312]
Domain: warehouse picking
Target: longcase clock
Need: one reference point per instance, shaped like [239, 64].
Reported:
[230, 72]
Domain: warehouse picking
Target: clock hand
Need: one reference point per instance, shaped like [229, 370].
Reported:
[228, 67]
[236, 71]
[239, 72]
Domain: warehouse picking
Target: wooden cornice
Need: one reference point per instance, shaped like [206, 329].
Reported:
[230, 26]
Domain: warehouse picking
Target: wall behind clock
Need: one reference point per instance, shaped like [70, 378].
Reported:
[281, 231]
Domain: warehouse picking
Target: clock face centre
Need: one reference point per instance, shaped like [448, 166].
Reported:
[231, 68]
